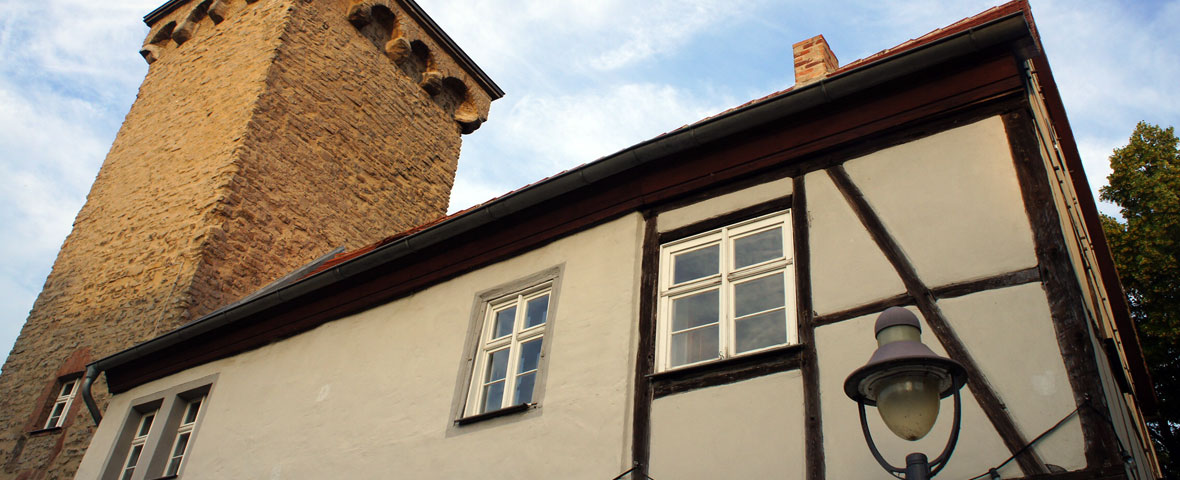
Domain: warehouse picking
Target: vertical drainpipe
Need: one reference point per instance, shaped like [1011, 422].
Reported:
[92, 372]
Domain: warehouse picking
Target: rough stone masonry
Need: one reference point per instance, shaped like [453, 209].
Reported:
[266, 133]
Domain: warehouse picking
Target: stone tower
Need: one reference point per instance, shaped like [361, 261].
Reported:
[266, 133]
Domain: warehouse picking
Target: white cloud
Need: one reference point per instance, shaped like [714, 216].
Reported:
[68, 73]
[661, 26]
[1112, 68]
[571, 129]
[1114, 64]
[1095, 154]
[469, 191]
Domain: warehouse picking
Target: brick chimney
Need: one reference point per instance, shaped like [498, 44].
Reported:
[814, 60]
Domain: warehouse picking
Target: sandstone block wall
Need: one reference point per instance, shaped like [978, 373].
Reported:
[266, 133]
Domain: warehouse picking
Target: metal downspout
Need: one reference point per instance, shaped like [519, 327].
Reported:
[92, 372]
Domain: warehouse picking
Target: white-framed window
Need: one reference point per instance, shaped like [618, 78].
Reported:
[726, 292]
[158, 432]
[61, 406]
[184, 435]
[508, 359]
[138, 443]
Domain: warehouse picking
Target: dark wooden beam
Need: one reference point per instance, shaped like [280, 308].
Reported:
[924, 299]
[1003, 280]
[866, 309]
[816, 467]
[1066, 302]
[727, 371]
[646, 352]
[1114, 289]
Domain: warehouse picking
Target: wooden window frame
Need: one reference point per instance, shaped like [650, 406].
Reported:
[139, 439]
[724, 281]
[511, 342]
[169, 408]
[186, 427]
[66, 400]
[467, 405]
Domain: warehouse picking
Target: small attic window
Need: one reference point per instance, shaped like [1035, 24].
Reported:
[61, 406]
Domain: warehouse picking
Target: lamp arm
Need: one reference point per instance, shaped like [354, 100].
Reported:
[864, 426]
[940, 462]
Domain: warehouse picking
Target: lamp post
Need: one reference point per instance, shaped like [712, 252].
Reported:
[905, 380]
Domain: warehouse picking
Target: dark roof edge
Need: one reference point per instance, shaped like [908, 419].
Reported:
[417, 12]
[153, 16]
[1011, 29]
[457, 53]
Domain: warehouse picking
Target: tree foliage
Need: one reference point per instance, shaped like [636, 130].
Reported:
[1145, 184]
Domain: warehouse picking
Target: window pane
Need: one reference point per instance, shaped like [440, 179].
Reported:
[695, 310]
[492, 395]
[133, 457]
[191, 415]
[55, 415]
[128, 473]
[695, 264]
[146, 425]
[68, 388]
[497, 366]
[530, 355]
[535, 311]
[173, 467]
[758, 248]
[504, 320]
[761, 330]
[181, 444]
[524, 388]
[694, 345]
[758, 295]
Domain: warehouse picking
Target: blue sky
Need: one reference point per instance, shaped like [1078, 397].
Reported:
[583, 79]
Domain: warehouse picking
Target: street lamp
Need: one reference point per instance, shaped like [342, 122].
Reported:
[905, 380]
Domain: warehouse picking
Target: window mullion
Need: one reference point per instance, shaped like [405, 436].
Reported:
[663, 337]
[514, 354]
[790, 303]
[723, 323]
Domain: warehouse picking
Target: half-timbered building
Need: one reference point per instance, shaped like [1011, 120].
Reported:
[688, 308]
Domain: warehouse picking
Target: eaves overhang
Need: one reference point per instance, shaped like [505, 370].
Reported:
[1010, 32]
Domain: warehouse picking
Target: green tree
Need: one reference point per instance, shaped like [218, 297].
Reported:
[1145, 183]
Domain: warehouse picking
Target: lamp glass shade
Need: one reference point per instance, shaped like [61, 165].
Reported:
[908, 403]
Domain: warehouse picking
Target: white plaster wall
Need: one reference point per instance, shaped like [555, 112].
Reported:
[952, 201]
[847, 267]
[723, 204]
[1010, 334]
[369, 396]
[751, 429]
[845, 346]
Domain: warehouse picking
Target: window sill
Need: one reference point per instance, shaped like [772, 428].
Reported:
[730, 370]
[494, 414]
[44, 431]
